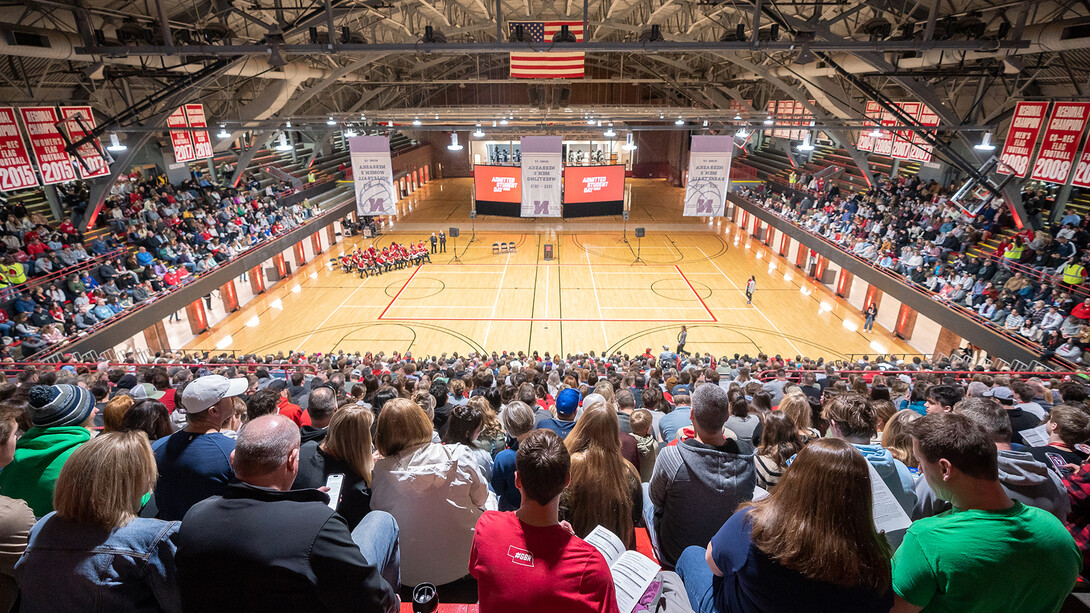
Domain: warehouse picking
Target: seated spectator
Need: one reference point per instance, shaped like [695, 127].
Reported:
[518, 422]
[896, 440]
[605, 487]
[194, 463]
[94, 553]
[435, 493]
[698, 483]
[1068, 426]
[679, 418]
[744, 420]
[942, 398]
[567, 404]
[641, 422]
[1020, 420]
[1021, 476]
[322, 404]
[61, 417]
[16, 518]
[148, 416]
[798, 408]
[779, 442]
[463, 427]
[292, 551]
[994, 553]
[852, 418]
[565, 573]
[809, 546]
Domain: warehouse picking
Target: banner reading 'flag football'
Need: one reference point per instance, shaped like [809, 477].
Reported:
[372, 174]
[1061, 141]
[45, 141]
[179, 137]
[202, 145]
[15, 169]
[709, 176]
[1021, 138]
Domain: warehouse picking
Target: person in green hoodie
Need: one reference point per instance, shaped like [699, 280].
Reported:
[61, 417]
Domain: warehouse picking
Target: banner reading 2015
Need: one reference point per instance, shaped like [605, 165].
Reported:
[709, 176]
[542, 168]
[372, 174]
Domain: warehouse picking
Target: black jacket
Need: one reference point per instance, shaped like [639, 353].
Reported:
[261, 550]
[316, 465]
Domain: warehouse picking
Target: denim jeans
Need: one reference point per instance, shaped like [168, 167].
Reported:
[376, 536]
[698, 579]
[649, 518]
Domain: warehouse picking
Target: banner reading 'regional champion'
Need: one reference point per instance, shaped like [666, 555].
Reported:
[47, 144]
[542, 167]
[373, 175]
[93, 164]
[15, 169]
[709, 176]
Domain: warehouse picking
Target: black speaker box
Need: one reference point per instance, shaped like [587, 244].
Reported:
[453, 233]
[640, 233]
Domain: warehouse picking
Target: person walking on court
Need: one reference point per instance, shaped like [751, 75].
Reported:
[681, 337]
[751, 285]
[434, 241]
[442, 242]
[869, 316]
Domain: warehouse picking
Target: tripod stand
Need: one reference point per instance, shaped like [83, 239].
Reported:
[639, 247]
[456, 259]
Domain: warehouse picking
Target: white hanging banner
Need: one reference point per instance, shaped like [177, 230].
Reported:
[709, 176]
[542, 168]
[372, 174]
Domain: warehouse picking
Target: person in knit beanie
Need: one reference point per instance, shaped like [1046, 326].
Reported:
[61, 417]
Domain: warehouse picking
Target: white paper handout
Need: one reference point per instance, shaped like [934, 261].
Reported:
[1035, 437]
[888, 514]
[632, 571]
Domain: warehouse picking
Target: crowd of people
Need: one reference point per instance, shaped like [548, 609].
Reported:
[374, 261]
[343, 481]
[1031, 285]
[161, 236]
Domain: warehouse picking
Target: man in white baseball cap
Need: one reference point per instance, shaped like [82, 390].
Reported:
[195, 463]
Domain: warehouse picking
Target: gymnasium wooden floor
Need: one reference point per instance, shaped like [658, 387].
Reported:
[590, 297]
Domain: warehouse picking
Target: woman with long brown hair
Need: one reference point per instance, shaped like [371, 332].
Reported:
[605, 488]
[779, 441]
[809, 546]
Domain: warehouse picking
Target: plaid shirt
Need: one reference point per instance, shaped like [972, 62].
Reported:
[1078, 521]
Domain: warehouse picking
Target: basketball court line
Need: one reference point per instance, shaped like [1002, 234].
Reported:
[598, 302]
[759, 311]
[496, 302]
[333, 312]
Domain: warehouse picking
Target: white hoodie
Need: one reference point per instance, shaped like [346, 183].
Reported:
[436, 494]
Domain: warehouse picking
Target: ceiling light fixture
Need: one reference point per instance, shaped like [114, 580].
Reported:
[349, 133]
[737, 117]
[223, 132]
[628, 145]
[283, 146]
[876, 133]
[986, 144]
[478, 133]
[769, 121]
[416, 121]
[331, 121]
[454, 146]
[115, 144]
[503, 121]
[287, 124]
[609, 133]
[806, 146]
[590, 122]
[680, 121]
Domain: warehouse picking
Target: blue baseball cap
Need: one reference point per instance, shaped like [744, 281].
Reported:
[567, 401]
[680, 390]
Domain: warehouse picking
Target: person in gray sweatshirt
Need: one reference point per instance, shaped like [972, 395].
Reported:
[698, 483]
[1024, 478]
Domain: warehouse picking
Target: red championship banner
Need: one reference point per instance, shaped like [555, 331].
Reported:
[873, 114]
[1022, 138]
[1082, 169]
[784, 110]
[47, 144]
[202, 145]
[884, 144]
[921, 151]
[1061, 141]
[96, 166]
[902, 141]
[179, 137]
[796, 120]
[15, 169]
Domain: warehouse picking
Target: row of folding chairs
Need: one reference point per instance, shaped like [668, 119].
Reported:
[498, 248]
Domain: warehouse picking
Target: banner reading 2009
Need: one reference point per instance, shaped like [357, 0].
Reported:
[709, 176]
[542, 167]
[372, 174]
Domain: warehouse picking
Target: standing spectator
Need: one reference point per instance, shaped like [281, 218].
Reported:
[698, 483]
[559, 571]
[291, 551]
[442, 242]
[994, 553]
[869, 316]
[194, 463]
[809, 546]
[61, 417]
[93, 553]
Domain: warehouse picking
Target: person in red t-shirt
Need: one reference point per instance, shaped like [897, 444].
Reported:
[293, 412]
[527, 560]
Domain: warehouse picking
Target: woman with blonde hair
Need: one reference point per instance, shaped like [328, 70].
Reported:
[605, 488]
[345, 450]
[93, 553]
[896, 441]
[434, 491]
[809, 546]
[797, 407]
[492, 438]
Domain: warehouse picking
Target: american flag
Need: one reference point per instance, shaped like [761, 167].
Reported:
[534, 65]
